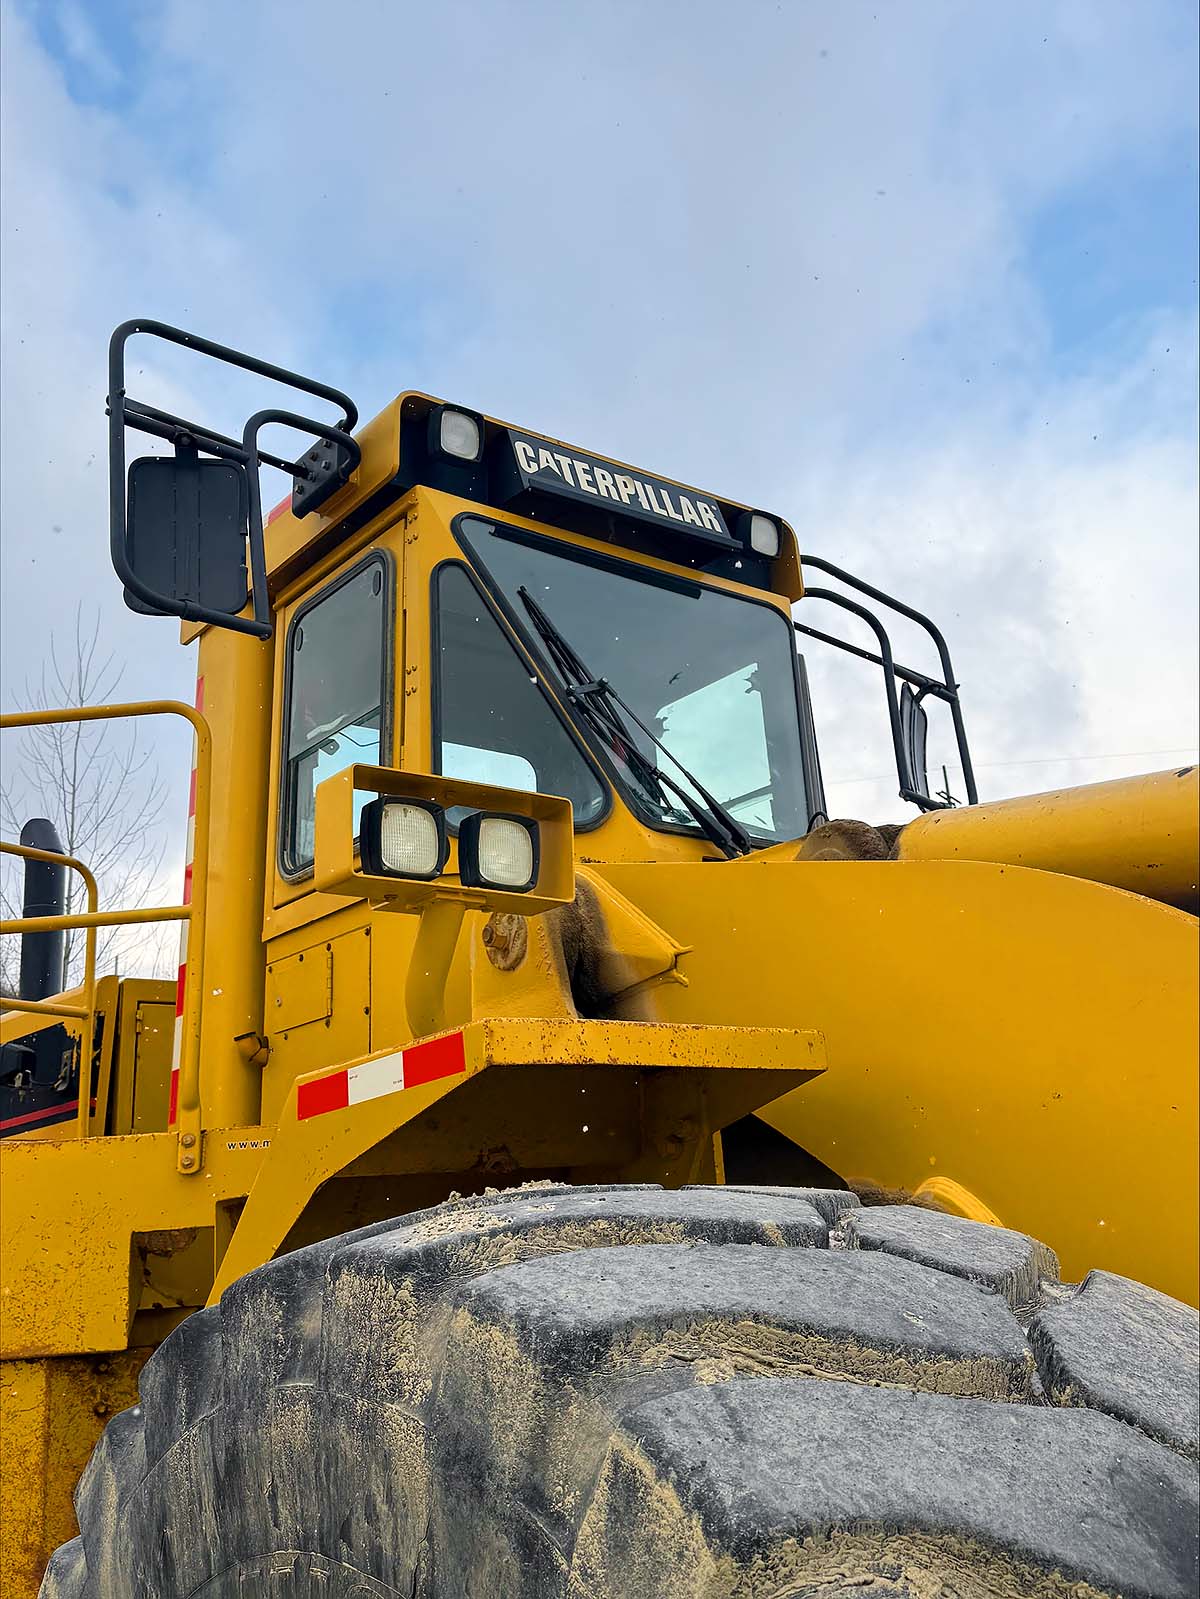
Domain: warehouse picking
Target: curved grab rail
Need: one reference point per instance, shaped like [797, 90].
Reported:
[190, 1115]
[85, 1013]
[946, 689]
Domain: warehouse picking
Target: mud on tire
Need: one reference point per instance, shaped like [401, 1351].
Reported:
[626, 1393]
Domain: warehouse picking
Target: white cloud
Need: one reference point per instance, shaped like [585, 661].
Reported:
[1060, 558]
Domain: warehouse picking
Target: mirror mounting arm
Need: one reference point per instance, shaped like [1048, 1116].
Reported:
[326, 469]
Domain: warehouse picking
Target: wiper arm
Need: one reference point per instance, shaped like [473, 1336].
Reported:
[602, 705]
[593, 697]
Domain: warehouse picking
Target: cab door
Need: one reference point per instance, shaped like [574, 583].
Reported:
[335, 698]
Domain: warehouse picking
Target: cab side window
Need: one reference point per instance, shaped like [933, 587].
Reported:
[336, 697]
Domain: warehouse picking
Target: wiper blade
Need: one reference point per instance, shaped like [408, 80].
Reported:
[602, 705]
[592, 697]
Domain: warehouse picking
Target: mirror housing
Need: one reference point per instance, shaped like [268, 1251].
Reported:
[914, 734]
[186, 533]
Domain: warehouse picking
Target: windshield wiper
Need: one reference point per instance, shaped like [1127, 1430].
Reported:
[600, 703]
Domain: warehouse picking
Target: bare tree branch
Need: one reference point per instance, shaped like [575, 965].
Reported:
[100, 787]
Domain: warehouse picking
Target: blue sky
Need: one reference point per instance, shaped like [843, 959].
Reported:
[1112, 245]
[922, 277]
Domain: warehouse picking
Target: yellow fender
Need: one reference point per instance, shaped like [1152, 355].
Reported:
[1029, 1036]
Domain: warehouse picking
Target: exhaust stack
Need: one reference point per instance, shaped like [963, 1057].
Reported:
[45, 895]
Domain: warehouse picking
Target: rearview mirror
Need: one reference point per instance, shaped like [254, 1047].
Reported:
[914, 732]
[186, 532]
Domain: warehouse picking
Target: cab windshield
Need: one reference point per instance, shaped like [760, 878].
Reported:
[713, 674]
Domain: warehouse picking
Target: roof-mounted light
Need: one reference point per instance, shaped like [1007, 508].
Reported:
[457, 434]
[761, 533]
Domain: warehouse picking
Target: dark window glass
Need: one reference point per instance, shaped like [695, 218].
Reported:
[494, 724]
[336, 698]
[711, 672]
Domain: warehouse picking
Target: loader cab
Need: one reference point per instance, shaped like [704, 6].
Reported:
[402, 637]
[428, 637]
[563, 623]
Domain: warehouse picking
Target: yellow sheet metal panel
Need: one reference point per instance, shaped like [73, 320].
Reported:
[1138, 833]
[153, 1030]
[24, 1424]
[1031, 1037]
[51, 1414]
[511, 966]
[234, 687]
[505, 1042]
[318, 1011]
[141, 1043]
[391, 944]
[68, 1214]
[16, 1023]
[300, 988]
[630, 948]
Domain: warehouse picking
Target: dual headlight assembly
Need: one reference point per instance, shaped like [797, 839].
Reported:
[409, 838]
[384, 835]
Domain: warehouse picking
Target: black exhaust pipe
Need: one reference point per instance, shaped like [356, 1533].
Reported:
[45, 895]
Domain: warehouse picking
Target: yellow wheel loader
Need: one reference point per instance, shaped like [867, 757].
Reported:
[569, 1165]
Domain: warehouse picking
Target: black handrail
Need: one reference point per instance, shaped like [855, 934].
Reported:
[946, 689]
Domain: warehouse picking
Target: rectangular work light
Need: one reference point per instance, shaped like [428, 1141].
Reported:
[403, 838]
[498, 851]
[760, 532]
[456, 433]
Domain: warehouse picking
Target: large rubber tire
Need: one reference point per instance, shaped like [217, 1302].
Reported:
[626, 1393]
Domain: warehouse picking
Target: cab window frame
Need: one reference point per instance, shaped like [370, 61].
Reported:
[517, 644]
[622, 562]
[383, 559]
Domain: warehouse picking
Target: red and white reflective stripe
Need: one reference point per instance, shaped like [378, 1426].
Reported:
[277, 510]
[181, 979]
[419, 1063]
